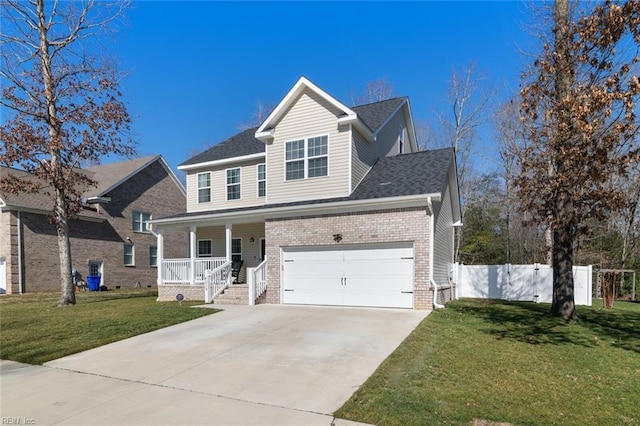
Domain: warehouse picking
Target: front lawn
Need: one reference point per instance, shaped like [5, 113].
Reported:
[33, 330]
[496, 361]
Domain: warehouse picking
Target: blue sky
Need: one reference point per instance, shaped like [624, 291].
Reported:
[196, 70]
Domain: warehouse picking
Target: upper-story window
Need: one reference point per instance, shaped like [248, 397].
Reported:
[233, 184]
[204, 187]
[307, 158]
[401, 141]
[139, 221]
[262, 180]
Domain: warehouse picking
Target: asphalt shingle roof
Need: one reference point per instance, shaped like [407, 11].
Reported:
[244, 143]
[375, 114]
[423, 172]
[107, 176]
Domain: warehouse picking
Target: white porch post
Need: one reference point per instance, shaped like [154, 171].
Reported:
[192, 254]
[159, 253]
[228, 227]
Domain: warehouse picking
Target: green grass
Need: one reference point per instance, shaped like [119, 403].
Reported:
[509, 362]
[33, 330]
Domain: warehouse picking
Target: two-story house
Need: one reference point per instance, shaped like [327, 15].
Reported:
[333, 205]
[109, 237]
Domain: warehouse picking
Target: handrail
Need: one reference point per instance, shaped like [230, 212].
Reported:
[216, 281]
[257, 281]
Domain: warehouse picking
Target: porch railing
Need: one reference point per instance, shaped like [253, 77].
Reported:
[216, 281]
[178, 271]
[257, 280]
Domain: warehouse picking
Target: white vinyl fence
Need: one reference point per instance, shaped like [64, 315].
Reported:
[532, 283]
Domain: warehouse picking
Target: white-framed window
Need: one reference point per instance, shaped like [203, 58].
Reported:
[307, 158]
[262, 180]
[236, 249]
[139, 221]
[153, 256]
[233, 183]
[205, 248]
[204, 187]
[401, 141]
[129, 255]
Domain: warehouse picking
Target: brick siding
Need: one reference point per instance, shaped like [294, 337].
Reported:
[151, 190]
[386, 226]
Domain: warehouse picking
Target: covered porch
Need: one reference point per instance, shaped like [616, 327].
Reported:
[219, 255]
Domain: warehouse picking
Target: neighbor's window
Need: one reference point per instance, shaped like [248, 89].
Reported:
[205, 248]
[153, 256]
[139, 219]
[233, 184]
[304, 163]
[262, 180]
[129, 258]
[204, 187]
[236, 249]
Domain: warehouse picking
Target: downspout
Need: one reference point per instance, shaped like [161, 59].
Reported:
[436, 305]
[20, 266]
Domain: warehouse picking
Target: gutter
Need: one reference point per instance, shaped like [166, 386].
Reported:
[370, 204]
[436, 305]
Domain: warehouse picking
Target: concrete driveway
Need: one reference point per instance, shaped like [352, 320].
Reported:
[267, 364]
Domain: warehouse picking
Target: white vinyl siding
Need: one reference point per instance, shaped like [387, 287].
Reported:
[364, 156]
[387, 141]
[310, 116]
[250, 251]
[248, 188]
[443, 241]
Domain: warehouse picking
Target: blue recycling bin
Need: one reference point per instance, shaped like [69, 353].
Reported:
[93, 282]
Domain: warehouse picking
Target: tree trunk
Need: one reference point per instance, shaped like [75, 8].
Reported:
[67, 293]
[563, 304]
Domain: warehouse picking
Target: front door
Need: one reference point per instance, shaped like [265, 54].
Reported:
[263, 250]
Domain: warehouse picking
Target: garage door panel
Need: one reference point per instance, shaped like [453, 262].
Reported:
[379, 276]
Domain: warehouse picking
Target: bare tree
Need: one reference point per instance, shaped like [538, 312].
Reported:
[578, 106]
[262, 111]
[64, 102]
[468, 110]
[376, 91]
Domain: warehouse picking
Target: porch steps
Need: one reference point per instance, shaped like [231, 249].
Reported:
[235, 294]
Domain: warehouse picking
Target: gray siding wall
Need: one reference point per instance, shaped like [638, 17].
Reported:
[443, 242]
[310, 116]
[365, 154]
[248, 187]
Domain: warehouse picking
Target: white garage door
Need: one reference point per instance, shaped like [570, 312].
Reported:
[379, 276]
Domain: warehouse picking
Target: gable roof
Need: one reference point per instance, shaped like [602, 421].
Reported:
[107, 176]
[374, 115]
[110, 176]
[248, 144]
[243, 144]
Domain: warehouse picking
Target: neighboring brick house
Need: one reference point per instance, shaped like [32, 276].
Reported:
[108, 237]
[338, 200]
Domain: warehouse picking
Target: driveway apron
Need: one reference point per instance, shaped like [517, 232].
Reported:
[266, 364]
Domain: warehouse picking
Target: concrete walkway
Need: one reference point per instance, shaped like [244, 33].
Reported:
[267, 364]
